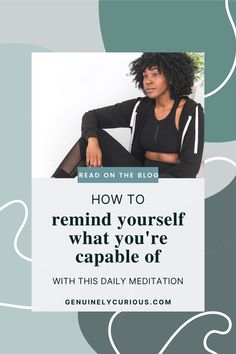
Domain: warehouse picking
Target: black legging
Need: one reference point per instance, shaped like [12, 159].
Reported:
[113, 155]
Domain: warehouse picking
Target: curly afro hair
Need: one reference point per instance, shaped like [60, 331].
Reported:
[178, 68]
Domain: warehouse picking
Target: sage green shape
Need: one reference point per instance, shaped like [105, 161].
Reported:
[21, 330]
[181, 26]
[147, 332]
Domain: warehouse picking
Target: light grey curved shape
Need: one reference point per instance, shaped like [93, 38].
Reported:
[58, 25]
[218, 174]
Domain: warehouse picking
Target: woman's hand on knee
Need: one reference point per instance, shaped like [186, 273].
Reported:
[93, 153]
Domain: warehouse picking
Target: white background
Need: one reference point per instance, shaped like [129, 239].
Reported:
[54, 255]
[64, 87]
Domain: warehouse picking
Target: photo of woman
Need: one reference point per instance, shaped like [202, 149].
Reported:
[163, 128]
[167, 129]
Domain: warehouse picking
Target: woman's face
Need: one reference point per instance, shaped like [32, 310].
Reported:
[155, 84]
